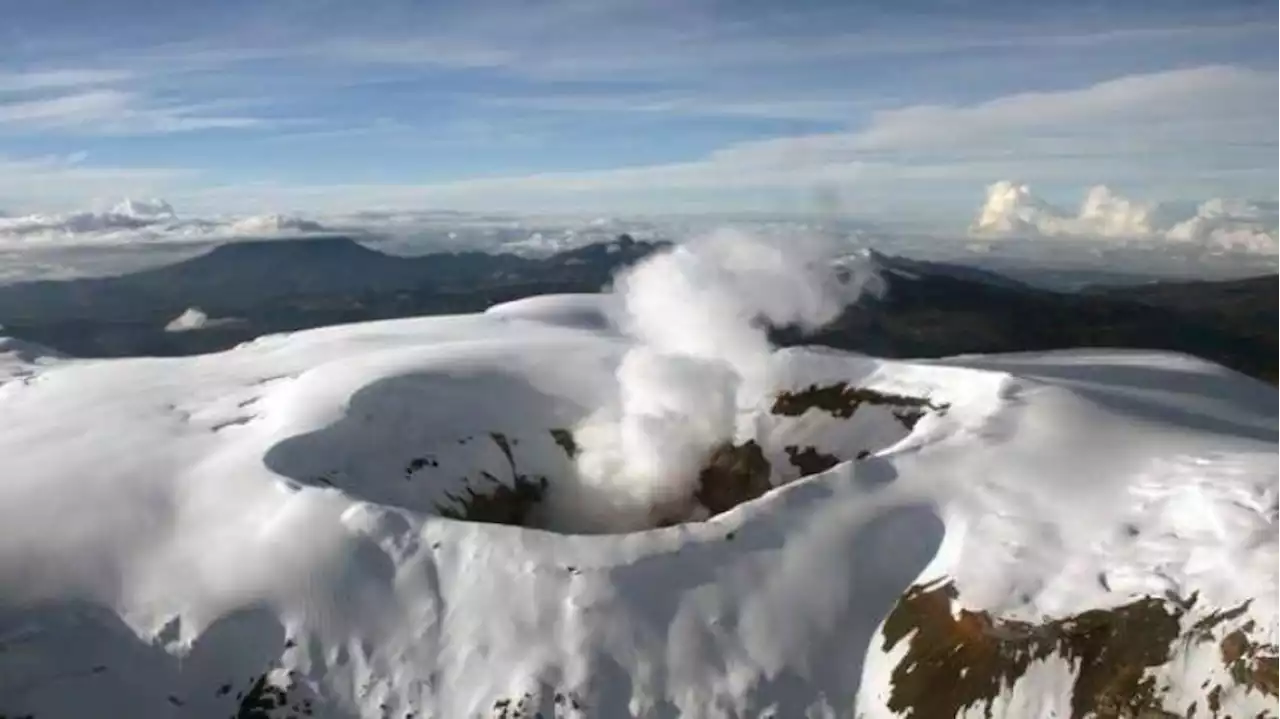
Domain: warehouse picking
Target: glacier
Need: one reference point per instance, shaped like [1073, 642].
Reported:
[276, 528]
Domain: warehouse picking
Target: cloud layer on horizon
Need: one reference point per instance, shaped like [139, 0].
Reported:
[1013, 210]
[154, 222]
[136, 222]
[1010, 209]
[135, 235]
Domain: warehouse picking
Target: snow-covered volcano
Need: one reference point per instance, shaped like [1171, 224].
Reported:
[283, 529]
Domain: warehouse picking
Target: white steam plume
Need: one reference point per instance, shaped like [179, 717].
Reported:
[699, 315]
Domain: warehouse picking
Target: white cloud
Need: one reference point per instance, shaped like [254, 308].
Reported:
[134, 221]
[1136, 130]
[65, 109]
[274, 224]
[1111, 215]
[136, 234]
[1184, 103]
[685, 41]
[127, 215]
[1231, 224]
[59, 78]
[113, 112]
[1012, 210]
[152, 210]
[689, 58]
[1132, 115]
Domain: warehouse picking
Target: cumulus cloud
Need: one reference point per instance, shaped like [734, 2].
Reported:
[1230, 224]
[1110, 215]
[153, 209]
[149, 220]
[1012, 209]
[128, 215]
[274, 224]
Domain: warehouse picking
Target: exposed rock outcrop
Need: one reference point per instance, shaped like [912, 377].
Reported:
[958, 660]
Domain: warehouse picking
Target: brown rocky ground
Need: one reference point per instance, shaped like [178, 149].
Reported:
[958, 660]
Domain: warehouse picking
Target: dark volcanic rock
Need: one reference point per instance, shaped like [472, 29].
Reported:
[734, 474]
[842, 401]
[959, 660]
[810, 461]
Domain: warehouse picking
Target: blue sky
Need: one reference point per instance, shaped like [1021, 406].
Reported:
[895, 108]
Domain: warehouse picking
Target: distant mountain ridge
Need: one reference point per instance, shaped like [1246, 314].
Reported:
[1231, 322]
[260, 270]
[287, 285]
[239, 276]
[908, 268]
[930, 309]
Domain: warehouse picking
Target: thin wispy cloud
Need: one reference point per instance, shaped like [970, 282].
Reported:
[18, 82]
[113, 112]
[1110, 129]
[768, 106]
[561, 44]
[642, 104]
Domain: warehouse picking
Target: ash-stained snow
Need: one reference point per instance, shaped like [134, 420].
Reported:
[183, 536]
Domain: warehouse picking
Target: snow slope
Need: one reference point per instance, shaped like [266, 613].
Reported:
[180, 535]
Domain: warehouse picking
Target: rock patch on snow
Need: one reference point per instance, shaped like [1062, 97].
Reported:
[841, 400]
[957, 660]
[511, 456]
[516, 488]
[275, 509]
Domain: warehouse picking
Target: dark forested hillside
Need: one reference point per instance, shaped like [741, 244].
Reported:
[928, 310]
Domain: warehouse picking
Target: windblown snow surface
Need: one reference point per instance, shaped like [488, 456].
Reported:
[269, 531]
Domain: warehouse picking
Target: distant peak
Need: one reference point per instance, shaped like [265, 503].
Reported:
[906, 268]
[307, 245]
